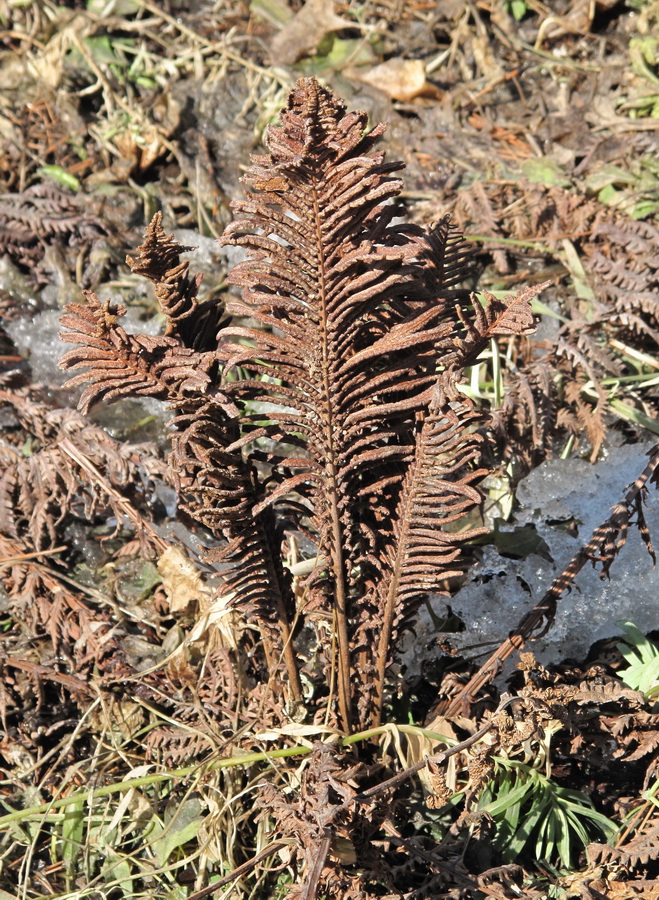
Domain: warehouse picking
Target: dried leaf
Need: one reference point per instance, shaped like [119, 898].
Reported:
[400, 79]
[304, 32]
[182, 581]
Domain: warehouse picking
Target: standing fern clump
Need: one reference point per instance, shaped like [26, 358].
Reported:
[326, 403]
[360, 346]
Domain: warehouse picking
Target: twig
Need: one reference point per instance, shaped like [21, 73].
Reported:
[495, 82]
[21, 557]
[310, 888]
[239, 872]
[71, 682]
[129, 511]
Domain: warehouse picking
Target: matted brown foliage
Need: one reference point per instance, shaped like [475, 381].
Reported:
[556, 388]
[38, 215]
[74, 472]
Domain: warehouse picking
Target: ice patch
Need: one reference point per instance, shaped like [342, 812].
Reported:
[37, 339]
[500, 591]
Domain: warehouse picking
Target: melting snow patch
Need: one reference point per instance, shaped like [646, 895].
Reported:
[500, 591]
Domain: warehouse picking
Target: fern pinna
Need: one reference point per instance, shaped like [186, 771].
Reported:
[352, 330]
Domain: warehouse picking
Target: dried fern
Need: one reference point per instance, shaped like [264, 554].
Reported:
[73, 471]
[600, 338]
[218, 486]
[38, 491]
[31, 219]
[351, 328]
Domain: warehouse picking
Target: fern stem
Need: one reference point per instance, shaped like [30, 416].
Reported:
[403, 515]
[340, 593]
[383, 652]
[340, 602]
[287, 649]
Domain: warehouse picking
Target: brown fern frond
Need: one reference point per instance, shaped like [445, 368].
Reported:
[345, 420]
[159, 260]
[626, 265]
[524, 424]
[438, 491]
[325, 810]
[218, 486]
[356, 317]
[48, 605]
[37, 215]
[639, 302]
[447, 260]
[38, 492]
[497, 318]
[322, 293]
[639, 850]
[637, 735]
[125, 365]
[580, 372]
[636, 242]
[172, 746]
[621, 262]
[439, 486]
[54, 488]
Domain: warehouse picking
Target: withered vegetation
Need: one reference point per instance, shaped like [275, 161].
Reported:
[367, 445]
[325, 403]
[74, 472]
[30, 218]
[322, 441]
[559, 387]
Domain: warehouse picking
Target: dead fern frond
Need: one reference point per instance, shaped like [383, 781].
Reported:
[159, 260]
[218, 486]
[621, 261]
[356, 315]
[55, 486]
[524, 424]
[39, 491]
[497, 318]
[639, 850]
[31, 219]
[123, 365]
